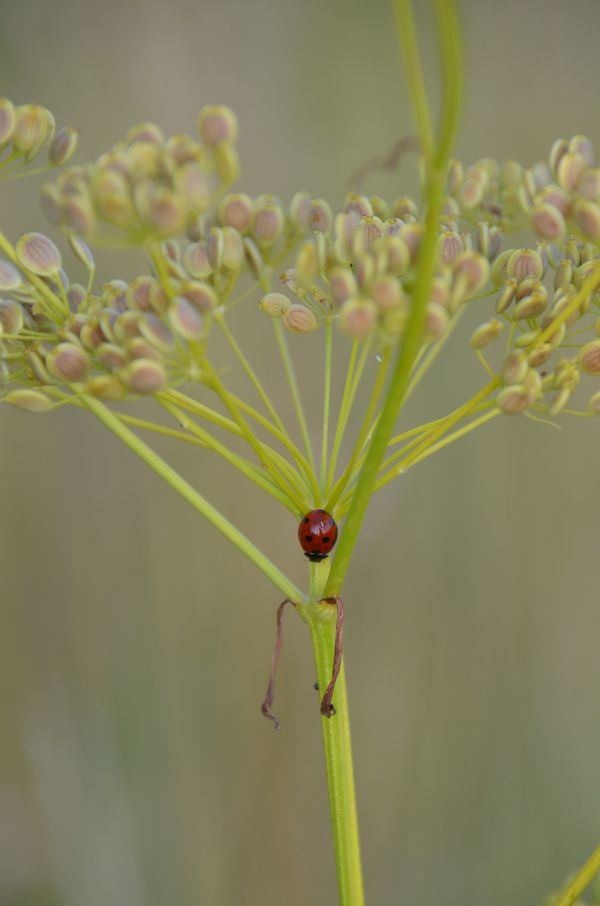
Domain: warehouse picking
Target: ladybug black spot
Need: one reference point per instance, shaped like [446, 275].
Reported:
[308, 538]
[306, 520]
[326, 539]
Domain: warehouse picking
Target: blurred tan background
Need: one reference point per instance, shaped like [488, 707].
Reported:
[135, 769]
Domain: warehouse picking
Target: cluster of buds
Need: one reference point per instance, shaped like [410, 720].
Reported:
[26, 130]
[148, 186]
[127, 340]
[359, 265]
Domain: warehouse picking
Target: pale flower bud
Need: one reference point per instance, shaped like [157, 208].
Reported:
[514, 368]
[358, 318]
[548, 222]
[275, 304]
[589, 357]
[300, 319]
[30, 400]
[486, 333]
[217, 125]
[570, 169]
[38, 254]
[525, 263]
[7, 121]
[68, 363]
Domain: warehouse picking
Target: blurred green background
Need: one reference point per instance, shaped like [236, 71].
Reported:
[135, 769]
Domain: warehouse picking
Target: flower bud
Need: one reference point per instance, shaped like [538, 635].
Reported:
[196, 260]
[525, 263]
[524, 340]
[589, 357]
[513, 400]
[557, 152]
[275, 304]
[472, 191]
[472, 271]
[11, 317]
[514, 368]
[412, 235]
[82, 251]
[202, 295]
[30, 400]
[559, 401]
[104, 387]
[185, 319]
[397, 255]
[307, 264]
[7, 121]
[570, 169]
[367, 231]
[233, 249]
[139, 348]
[358, 204]
[144, 376]
[486, 333]
[68, 363]
[586, 215]
[581, 144]
[594, 403]
[300, 319]
[38, 254]
[77, 214]
[358, 318]
[380, 207]
[268, 222]
[455, 176]
[162, 210]
[531, 305]
[227, 163]
[548, 222]
[342, 285]
[299, 210]
[449, 246]
[153, 329]
[217, 125]
[147, 133]
[320, 217]
[589, 184]
[254, 258]
[386, 292]
[539, 355]
[34, 126]
[436, 321]
[10, 278]
[63, 146]
[111, 356]
[236, 211]
[193, 183]
[215, 244]
[506, 296]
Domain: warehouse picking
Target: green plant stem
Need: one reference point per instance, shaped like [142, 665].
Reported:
[172, 478]
[337, 746]
[326, 402]
[343, 413]
[288, 367]
[413, 337]
[581, 880]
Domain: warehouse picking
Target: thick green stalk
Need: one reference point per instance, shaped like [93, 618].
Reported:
[233, 534]
[321, 619]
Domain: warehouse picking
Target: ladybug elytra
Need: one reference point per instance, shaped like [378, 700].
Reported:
[317, 534]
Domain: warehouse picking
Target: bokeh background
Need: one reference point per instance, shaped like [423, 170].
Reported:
[135, 769]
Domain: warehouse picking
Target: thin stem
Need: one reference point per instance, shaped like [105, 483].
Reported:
[407, 34]
[581, 880]
[251, 374]
[287, 498]
[343, 413]
[172, 478]
[290, 375]
[326, 401]
[337, 746]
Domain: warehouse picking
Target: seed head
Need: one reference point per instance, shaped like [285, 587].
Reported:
[299, 319]
[38, 254]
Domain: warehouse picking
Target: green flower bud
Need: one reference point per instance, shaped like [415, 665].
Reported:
[589, 357]
[397, 255]
[436, 321]
[440, 291]
[498, 272]
[300, 319]
[82, 251]
[589, 184]
[107, 388]
[412, 235]
[320, 217]
[566, 374]
[11, 317]
[144, 376]
[138, 348]
[217, 125]
[215, 244]
[63, 146]
[10, 278]
[154, 330]
[365, 269]
[405, 208]
[275, 304]
[111, 356]
[34, 126]
[185, 319]
[455, 176]
[586, 215]
[268, 223]
[358, 318]
[514, 368]
[30, 400]
[512, 173]
[513, 400]
[233, 249]
[526, 339]
[7, 121]
[539, 355]
[38, 254]
[162, 210]
[342, 285]
[307, 262]
[548, 222]
[193, 183]
[148, 133]
[386, 292]
[68, 363]
[506, 296]
[298, 211]
[471, 271]
[570, 169]
[537, 178]
[201, 295]
[486, 333]
[557, 152]
[236, 211]
[358, 204]
[368, 230]
[227, 163]
[531, 305]
[525, 263]
[581, 144]
[196, 260]
[380, 207]
[559, 401]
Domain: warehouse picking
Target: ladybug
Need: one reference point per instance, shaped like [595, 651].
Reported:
[317, 534]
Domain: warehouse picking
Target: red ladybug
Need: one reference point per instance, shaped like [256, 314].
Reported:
[317, 534]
